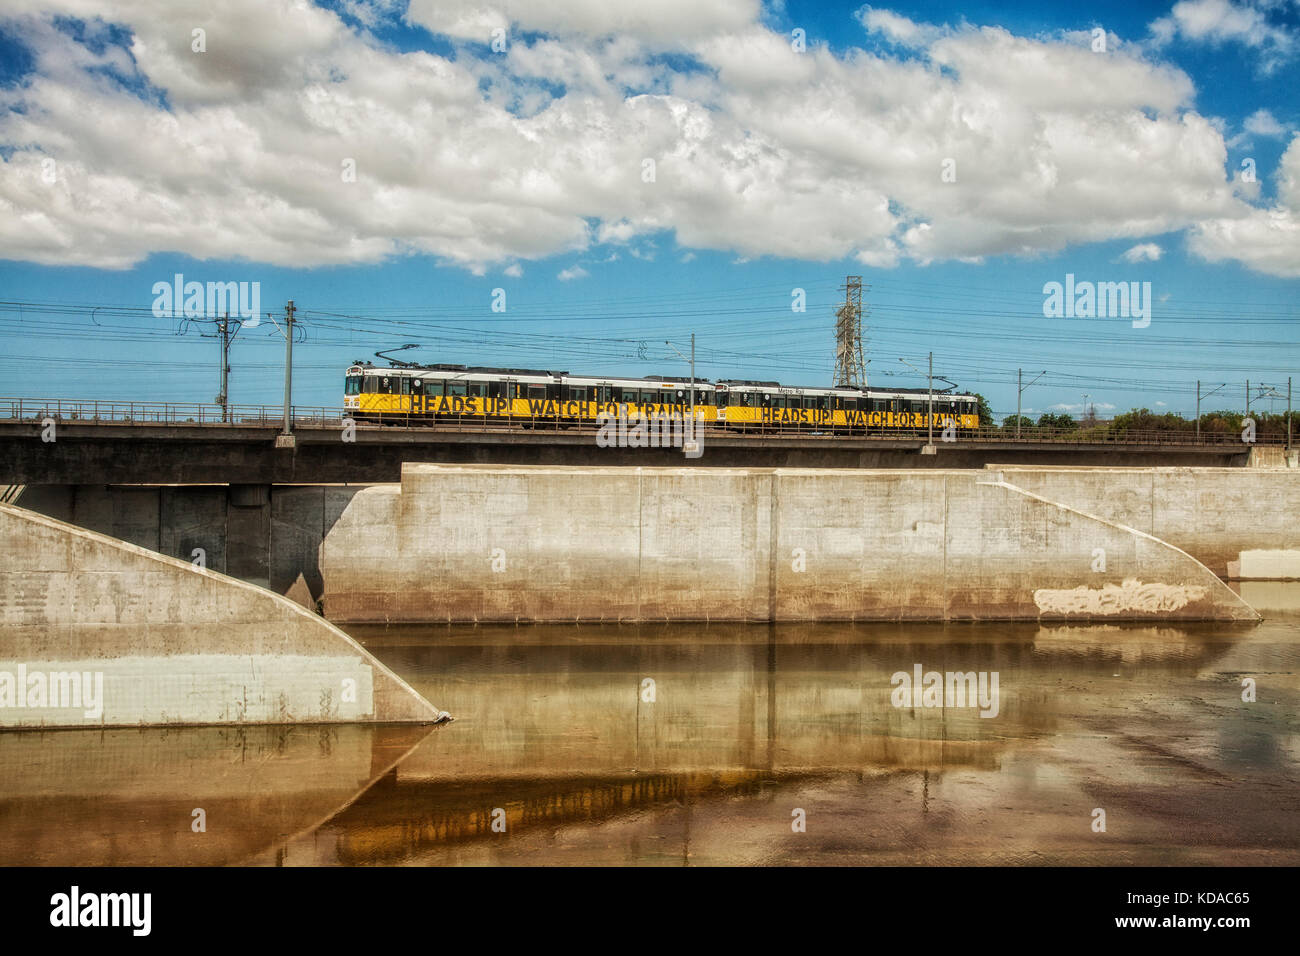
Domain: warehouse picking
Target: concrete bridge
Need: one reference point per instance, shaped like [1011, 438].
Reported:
[77, 442]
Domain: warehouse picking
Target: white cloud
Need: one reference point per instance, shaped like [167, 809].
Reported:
[663, 21]
[1222, 21]
[514, 270]
[1263, 123]
[479, 160]
[1143, 252]
[1267, 240]
[574, 272]
[896, 27]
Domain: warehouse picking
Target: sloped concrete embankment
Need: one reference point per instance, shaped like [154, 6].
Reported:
[97, 632]
[1241, 523]
[489, 543]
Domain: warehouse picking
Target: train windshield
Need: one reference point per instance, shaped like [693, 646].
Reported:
[352, 385]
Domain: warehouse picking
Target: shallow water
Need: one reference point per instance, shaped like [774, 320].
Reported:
[750, 730]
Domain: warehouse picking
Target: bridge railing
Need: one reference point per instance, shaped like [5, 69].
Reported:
[90, 411]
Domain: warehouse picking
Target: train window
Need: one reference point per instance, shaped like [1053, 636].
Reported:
[537, 391]
[352, 385]
[404, 385]
[703, 398]
[475, 389]
[456, 388]
[370, 384]
[496, 389]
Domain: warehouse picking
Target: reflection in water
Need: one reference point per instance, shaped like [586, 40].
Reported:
[560, 741]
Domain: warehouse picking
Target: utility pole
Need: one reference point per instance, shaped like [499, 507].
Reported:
[1288, 414]
[287, 433]
[1020, 390]
[692, 361]
[850, 369]
[223, 329]
[692, 383]
[1247, 398]
[929, 410]
[1199, 396]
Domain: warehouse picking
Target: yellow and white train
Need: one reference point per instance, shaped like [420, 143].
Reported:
[498, 396]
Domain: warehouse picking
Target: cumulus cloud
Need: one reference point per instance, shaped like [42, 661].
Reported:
[1143, 252]
[1263, 123]
[667, 22]
[1267, 240]
[298, 138]
[1223, 21]
[574, 272]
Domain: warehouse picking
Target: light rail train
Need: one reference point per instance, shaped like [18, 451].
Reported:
[499, 396]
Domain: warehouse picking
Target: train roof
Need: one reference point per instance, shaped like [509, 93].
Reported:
[666, 380]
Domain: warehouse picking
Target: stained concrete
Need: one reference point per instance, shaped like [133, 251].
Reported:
[1242, 523]
[475, 543]
[162, 641]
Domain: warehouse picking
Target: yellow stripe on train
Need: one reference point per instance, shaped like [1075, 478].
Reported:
[475, 407]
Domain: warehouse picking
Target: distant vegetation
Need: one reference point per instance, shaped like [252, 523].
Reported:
[1267, 427]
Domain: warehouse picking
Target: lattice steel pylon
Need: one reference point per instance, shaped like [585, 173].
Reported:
[850, 369]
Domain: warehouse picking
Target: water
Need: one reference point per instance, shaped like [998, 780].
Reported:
[750, 729]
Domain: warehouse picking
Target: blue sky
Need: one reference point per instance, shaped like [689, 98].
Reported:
[129, 157]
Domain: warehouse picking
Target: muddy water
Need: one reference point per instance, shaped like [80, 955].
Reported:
[722, 745]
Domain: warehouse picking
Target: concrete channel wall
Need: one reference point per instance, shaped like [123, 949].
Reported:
[97, 632]
[1242, 523]
[491, 543]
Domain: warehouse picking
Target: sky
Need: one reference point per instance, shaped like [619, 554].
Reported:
[582, 185]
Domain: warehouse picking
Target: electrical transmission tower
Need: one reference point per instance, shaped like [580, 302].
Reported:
[850, 369]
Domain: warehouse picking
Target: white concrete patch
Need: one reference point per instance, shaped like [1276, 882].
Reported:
[197, 689]
[1130, 597]
[1268, 565]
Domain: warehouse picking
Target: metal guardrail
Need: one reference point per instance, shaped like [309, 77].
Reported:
[93, 412]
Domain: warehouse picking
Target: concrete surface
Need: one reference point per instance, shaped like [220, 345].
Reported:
[476, 543]
[155, 640]
[1242, 523]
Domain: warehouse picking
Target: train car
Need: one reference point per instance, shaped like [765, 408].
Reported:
[533, 397]
[410, 395]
